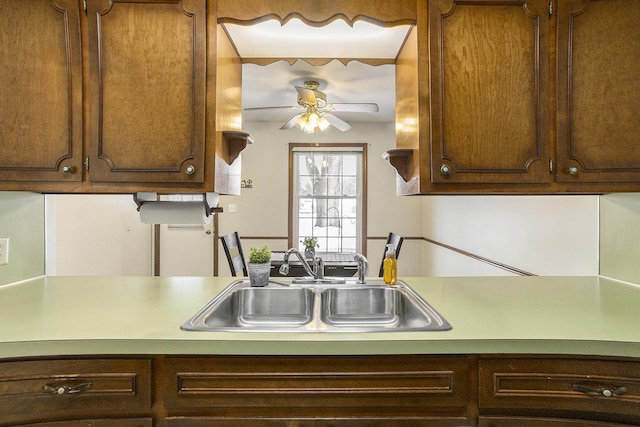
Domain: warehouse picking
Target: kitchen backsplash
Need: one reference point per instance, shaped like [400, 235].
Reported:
[620, 236]
[22, 221]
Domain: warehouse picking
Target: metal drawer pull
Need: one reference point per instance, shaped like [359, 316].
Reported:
[66, 389]
[604, 391]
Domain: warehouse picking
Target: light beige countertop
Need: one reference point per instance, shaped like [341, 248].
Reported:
[142, 315]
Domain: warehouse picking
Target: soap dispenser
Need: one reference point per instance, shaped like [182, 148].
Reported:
[390, 266]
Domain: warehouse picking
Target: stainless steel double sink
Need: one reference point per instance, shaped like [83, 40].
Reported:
[286, 306]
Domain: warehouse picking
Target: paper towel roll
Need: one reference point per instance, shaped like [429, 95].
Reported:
[165, 212]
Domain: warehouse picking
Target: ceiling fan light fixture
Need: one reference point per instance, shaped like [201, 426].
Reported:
[311, 120]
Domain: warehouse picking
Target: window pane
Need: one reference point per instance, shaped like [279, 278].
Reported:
[305, 227]
[348, 245]
[350, 164]
[305, 185]
[334, 186]
[350, 186]
[305, 207]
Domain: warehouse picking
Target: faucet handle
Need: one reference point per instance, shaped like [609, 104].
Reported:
[363, 267]
[318, 264]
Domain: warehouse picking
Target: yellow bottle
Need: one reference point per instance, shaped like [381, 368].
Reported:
[390, 266]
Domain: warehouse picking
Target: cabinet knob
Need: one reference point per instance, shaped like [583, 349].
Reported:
[573, 170]
[67, 169]
[444, 169]
[190, 170]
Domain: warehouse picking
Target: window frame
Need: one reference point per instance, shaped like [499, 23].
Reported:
[328, 146]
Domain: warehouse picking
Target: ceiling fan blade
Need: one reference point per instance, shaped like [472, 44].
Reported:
[307, 95]
[337, 122]
[365, 107]
[289, 107]
[291, 122]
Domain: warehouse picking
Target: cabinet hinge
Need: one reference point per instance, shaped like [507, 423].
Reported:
[550, 9]
[86, 163]
[84, 6]
[550, 165]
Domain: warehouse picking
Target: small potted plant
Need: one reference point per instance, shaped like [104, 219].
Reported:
[310, 244]
[259, 265]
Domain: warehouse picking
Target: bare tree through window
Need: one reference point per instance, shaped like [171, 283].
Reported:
[327, 196]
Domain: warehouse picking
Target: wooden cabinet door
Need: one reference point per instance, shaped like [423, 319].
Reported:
[489, 66]
[599, 91]
[41, 91]
[147, 90]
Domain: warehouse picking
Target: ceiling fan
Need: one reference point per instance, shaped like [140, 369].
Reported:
[317, 112]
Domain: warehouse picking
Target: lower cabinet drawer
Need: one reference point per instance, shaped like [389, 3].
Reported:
[543, 422]
[397, 421]
[587, 385]
[68, 389]
[317, 386]
[102, 422]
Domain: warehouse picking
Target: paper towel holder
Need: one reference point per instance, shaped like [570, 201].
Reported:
[210, 201]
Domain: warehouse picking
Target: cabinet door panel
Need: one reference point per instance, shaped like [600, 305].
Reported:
[41, 81]
[599, 91]
[148, 68]
[489, 83]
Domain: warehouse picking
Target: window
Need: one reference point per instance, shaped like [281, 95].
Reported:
[327, 195]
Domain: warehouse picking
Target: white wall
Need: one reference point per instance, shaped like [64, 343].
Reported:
[543, 235]
[22, 221]
[96, 235]
[620, 236]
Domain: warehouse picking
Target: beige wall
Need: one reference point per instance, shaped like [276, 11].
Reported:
[620, 236]
[22, 221]
[263, 209]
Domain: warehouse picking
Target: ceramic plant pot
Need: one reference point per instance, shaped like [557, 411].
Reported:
[259, 274]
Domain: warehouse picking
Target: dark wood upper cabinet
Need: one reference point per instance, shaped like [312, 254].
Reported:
[489, 91]
[41, 86]
[520, 97]
[147, 90]
[599, 91]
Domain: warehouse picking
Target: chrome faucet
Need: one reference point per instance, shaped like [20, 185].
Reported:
[363, 267]
[318, 265]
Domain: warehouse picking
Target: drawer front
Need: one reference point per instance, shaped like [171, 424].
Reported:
[314, 386]
[542, 422]
[29, 389]
[104, 422]
[316, 422]
[588, 385]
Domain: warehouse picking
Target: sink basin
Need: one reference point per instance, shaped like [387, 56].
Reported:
[375, 307]
[243, 307]
[320, 306]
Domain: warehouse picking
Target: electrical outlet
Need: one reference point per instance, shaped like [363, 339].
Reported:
[4, 251]
[233, 207]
